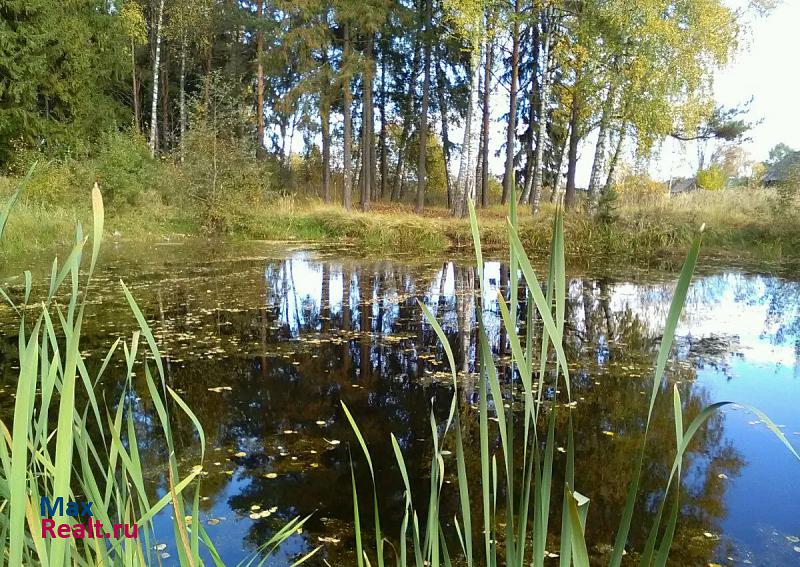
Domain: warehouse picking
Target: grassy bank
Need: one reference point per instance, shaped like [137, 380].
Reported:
[750, 223]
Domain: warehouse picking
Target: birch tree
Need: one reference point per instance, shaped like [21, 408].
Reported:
[467, 17]
[156, 69]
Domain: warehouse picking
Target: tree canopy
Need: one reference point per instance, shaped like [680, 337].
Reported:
[340, 75]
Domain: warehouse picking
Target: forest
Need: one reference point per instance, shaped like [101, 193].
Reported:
[258, 257]
[223, 107]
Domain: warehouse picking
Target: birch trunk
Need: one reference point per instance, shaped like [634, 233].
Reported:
[612, 166]
[182, 95]
[156, 69]
[541, 126]
[484, 146]
[465, 183]
[600, 151]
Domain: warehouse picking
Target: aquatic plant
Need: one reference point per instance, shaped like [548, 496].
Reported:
[66, 443]
[515, 533]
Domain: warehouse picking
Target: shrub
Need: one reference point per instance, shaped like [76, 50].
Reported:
[712, 178]
[222, 180]
[124, 168]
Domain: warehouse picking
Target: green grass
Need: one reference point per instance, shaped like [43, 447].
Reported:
[754, 223]
[514, 531]
[49, 452]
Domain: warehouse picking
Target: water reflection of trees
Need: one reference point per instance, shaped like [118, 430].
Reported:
[299, 336]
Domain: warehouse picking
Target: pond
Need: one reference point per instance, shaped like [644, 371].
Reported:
[263, 343]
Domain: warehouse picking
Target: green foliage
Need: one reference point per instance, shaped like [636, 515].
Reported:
[220, 176]
[56, 93]
[124, 168]
[121, 164]
[712, 178]
[607, 212]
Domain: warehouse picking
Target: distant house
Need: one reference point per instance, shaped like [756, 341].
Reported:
[784, 171]
[682, 185]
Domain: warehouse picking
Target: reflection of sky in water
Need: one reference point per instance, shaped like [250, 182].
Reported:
[756, 319]
[739, 332]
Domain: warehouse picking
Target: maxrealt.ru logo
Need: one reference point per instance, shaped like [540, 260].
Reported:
[78, 510]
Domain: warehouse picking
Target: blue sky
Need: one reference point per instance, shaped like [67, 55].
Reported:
[766, 69]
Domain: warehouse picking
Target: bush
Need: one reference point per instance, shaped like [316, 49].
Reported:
[121, 164]
[222, 180]
[124, 168]
[712, 178]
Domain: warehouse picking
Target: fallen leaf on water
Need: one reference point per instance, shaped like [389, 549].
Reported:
[213, 522]
[609, 433]
[709, 535]
[255, 507]
[271, 475]
[254, 516]
[160, 547]
[320, 422]
[240, 454]
[796, 548]
[328, 539]
[165, 555]
[562, 450]
[331, 441]
[220, 389]
[792, 539]
[723, 476]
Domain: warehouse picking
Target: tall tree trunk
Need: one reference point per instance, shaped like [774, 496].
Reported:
[137, 111]
[325, 119]
[612, 165]
[484, 141]
[511, 131]
[600, 151]
[541, 125]
[165, 136]
[348, 127]
[367, 126]
[382, 140]
[557, 174]
[532, 109]
[156, 68]
[441, 84]
[572, 157]
[182, 95]
[465, 184]
[260, 83]
[423, 117]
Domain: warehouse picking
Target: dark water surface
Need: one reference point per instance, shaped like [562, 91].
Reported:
[263, 344]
